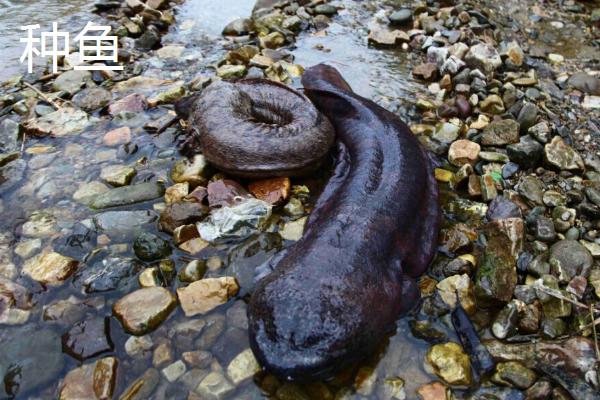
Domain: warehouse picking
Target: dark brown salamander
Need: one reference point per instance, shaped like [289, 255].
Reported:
[335, 293]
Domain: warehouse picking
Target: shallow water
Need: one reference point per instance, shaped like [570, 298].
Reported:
[61, 165]
[71, 16]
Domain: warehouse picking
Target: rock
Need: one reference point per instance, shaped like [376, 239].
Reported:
[426, 71]
[527, 153]
[133, 103]
[240, 220]
[88, 338]
[531, 189]
[238, 27]
[505, 324]
[515, 54]
[569, 258]
[483, 57]
[149, 247]
[86, 193]
[540, 132]
[149, 40]
[499, 133]
[383, 37]
[492, 104]
[30, 358]
[214, 387]
[50, 268]
[273, 191]
[541, 390]
[12, 174]
[40, 225]
[142, 311]
[170, 95]
[293, 230]
[177, 192]
[117, 136]
[560, 155]
[401, 17]
[594, 280]
[458, 288]
[117, 175]
[527, 116]
[181, 213]
[71, 81]
[502, 208]
[242, 367]
[437, 55]
[225, 193]
[513, 373]
[434, 391]
[190, 172]
[544, 229]
[205, 295]
[64, 122]
[585, 83]
[488, 187]
[446, 133]
[122, 224]
[293, 23]
[143, 387]
[450, 363]
[15, 303]
[463, 152]
[128, 195]
[108, 274]
[171, 51]
[174, 371]
[92, 99]
[94, 381]
[326, 9]
[9, 136]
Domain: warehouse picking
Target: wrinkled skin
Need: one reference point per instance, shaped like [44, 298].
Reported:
[258, 128]
[337, 292]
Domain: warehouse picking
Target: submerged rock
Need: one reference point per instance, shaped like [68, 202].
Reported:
[149, 247]
[50, 268]
[64, 122]
[93, 381]
[450, 363]
[128, 195]
[205, 295]
[145, 309]
[108, 274]
[88, 338]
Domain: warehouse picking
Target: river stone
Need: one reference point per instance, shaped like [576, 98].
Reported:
[88, 338]
[450, 363]
[502, 208]
[532, 189]
[586, 83]
[214, 386]
[240, 220]
[274, 190]
[71, 81]
[499, 133]
[149, 247]
[87, 192]
[93, 381]
[560, 155]
[50, 268]
[108, 274]
[15, 301]
[496, 278]
[181, 213]
[127, 195]
[401, 17]
[92, 99]
[40, 225]
[527, 116]
[527, 153]
[238, 27]
[122, 224]
[569, 258]
[242, 367]
[492, 104]
[446, 133]
[117, 175]
[64, 122]
[9, 136]
[117, 136]
[463, 152]
[192, 172]
[141, 312]
[133, 103]
[207, 294]
[483, 57]
[11, 174]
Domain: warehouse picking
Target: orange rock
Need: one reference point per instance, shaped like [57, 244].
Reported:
[118, 136]
[273, 190]
[433, 391]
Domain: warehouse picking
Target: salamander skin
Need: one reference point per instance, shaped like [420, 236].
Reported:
[338, 291]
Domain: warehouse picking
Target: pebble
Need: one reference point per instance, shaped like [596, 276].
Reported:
[117, 175]
[117, 136]
[527, 153]
[484, 57]
[273, 191]
[202, 296]
[50, 268]
[463, 152]
[214, 386]
[143, 310]
[242, 367]
[127, 195]
[450, 363]
[562, 156]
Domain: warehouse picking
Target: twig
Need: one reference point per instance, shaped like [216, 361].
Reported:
[538, 285]
[42, 95]
[590, 325]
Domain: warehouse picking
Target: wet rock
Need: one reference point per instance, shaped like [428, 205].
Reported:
[560, 155]
[12, 174]
[30, 358]
[527, 153]
[446, 133]
[149, 247]
[171, 51]
[133, 103]
[502, 208]
[117, 136]
[181, 213]
[450, 363]
[540, 390]
[174, 371]
[205, 295]
[128, 195]
[483, 57]
[242, 367]
[86, 193]
[544, 229]
[108, 274]
[455, 289]
[88, 338]
[293, 230]
[240, 220]
[190, 171]
[143, 387]
[488, 187]
[273, 191]
[434, 391]
[170, 95]
[149, 40]
[117, 175]
[272, 40]
[40, 225]
[326, 9]
[215, 386]
[193, 271]
[515, 374]
[585, 83]
[225, 193]
[142, 311]
[71, 81]
[9, 136]
[15, 303]
[426, 71]
[92, 99]
[64, 122]
[401, 17]
[499, 133]
[94, 381]
[50, 268]
[463, 152]
[122, 224]
[505, 324]
[569, 258]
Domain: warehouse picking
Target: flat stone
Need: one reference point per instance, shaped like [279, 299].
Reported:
[117, 175]
[560, 155]
[231, 71]
[71, 81]
[181, 213]
[117, 137]
[128, 195]
[40, 225]
[88, 338]
[133, 103]
[205, 295]
[145, 309]
[499, 133]
[64, 122]
[427, 71]
[123, 223]
[214, 387]
[384, 37]
[50, 268]
[174, 371]
[94, 381]
[92, 99]
[86, 193]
